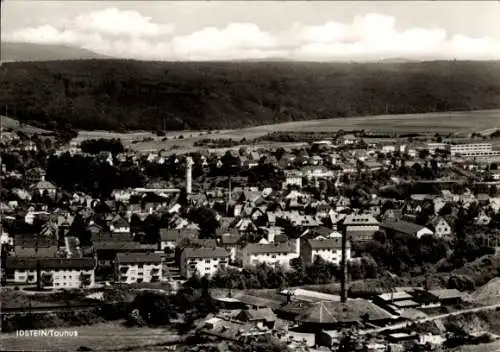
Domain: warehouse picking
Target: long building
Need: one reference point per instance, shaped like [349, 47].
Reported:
[56, 273]
[470, 148]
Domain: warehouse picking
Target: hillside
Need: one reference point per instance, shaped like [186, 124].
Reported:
[126, 94]
[37, 52]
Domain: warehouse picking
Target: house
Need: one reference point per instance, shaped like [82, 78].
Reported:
[106, 251]
[293, 178]
[270, 253]
[407, 228]
[45, 187]
[203, 261]
[229, 241]
[328, 249]
[360, 228]
[119, 224]
[448, 296]
[169, 237]
[35, 246]
[55, 273]
[138, 267]
[262, 316]
[441, 227]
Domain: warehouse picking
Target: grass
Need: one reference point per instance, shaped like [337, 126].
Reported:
[102, 336]
[8, 122]
[459, 123]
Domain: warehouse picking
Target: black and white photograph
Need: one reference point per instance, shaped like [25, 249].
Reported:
[250, 176]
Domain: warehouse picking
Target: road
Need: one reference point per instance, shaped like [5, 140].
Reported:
[436, 317]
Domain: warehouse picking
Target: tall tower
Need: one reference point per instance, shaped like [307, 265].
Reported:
[343, 265]
[189, 169]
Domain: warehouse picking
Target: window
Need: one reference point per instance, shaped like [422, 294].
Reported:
[274, 257]
[140, 266]
[207, 260]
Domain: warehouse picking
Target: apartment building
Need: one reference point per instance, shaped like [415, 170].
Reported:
[138, 267]
[270, 253]
[55, 273]
[360, 228]
[328, 249]
[203, 261]
[470, 148]
[293, 178]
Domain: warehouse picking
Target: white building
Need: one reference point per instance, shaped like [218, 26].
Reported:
[120, 225]
[55, 273]
[360, 228]
[138, 267]
[203, 261]
[270, 253]
[407, 228]
[470, 148]
[432, 147]
[441, 227]
[328, 249]
[293, 178]
[311, 172]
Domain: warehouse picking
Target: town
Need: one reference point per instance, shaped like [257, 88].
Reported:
[345, 242]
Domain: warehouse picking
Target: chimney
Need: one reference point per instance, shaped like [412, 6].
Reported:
[343, 265]
[189, 164]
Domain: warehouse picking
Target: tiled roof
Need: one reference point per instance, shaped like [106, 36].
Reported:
[50, 263]
[203, 252]
[259, 248]
[337, 312]
[132, 258]
[329, 243]
[364, 219]
[123, 246]
[403, 227]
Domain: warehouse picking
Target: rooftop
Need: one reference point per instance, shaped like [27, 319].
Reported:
[138, 257]
[50, 263]
[203, 252]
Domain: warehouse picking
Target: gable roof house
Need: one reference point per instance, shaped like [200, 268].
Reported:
[119, 224]
[442, 228]
[407, 228]
[360, 228]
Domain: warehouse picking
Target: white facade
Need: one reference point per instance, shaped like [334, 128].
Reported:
[470, 148]
[332, 255]
[203, 261]
[270, 254]
[424, 231]
[293, 178]
[63, 278]
[130, 273]
[442, 228]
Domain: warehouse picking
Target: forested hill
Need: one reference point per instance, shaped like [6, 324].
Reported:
[123, 94]
[12, 51]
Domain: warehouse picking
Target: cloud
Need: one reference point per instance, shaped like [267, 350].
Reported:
[128, 34]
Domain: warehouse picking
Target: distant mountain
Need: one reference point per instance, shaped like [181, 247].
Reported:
[12, 51]
[128, 94]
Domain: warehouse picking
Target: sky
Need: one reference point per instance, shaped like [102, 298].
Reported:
[293, 30]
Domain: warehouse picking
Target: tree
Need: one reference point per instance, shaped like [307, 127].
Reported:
[153, 307]
[206, 220]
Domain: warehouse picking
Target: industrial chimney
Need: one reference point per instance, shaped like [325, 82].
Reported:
[189, 165]
[343, 265]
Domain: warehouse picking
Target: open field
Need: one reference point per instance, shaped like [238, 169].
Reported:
[99, 337]
[7, 122]
[459, 123]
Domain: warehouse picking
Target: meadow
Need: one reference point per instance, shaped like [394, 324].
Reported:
[457, 123]
[111, 336]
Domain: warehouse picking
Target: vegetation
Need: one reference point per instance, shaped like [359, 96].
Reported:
[126, 94]
[96, 146]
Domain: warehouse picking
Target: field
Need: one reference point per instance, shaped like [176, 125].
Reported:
[458, 123]
[99, 337]
[7, 122]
